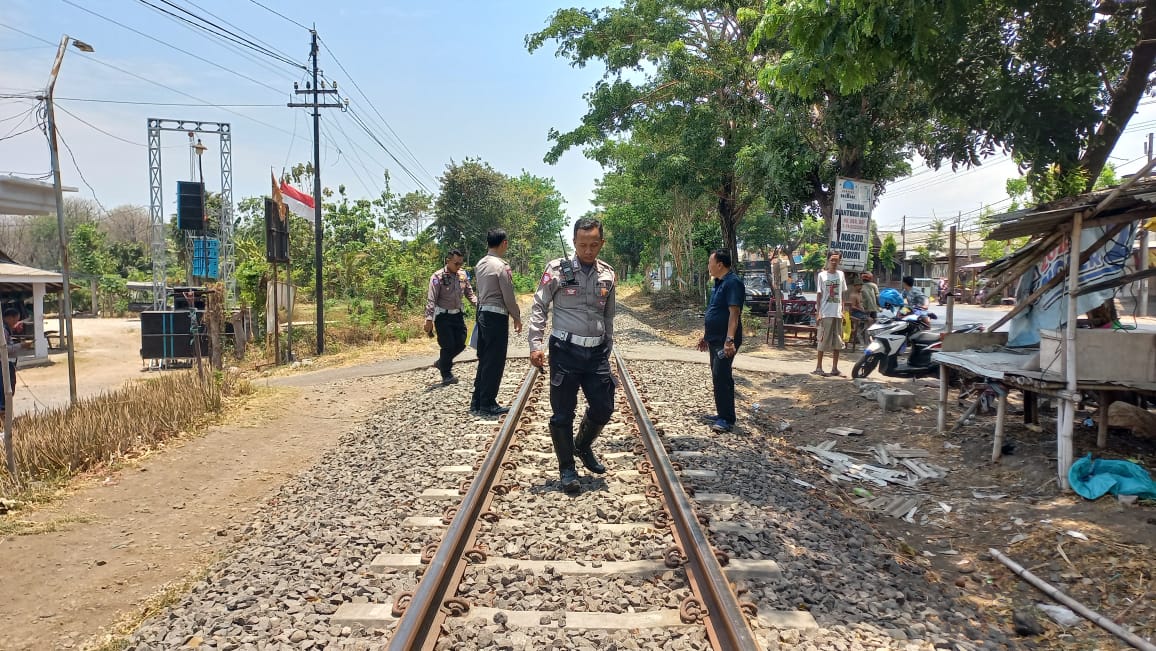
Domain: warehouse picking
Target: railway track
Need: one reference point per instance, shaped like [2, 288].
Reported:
[488, 566]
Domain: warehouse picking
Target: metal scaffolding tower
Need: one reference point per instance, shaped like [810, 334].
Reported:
[227, 273]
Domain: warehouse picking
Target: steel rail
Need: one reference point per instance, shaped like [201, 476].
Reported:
[727, 625]
[420, 623]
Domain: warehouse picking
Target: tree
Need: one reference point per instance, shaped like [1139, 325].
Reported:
[471, 201]
[889, 255]
[697, 100]
[1055, 83]
[534, 220]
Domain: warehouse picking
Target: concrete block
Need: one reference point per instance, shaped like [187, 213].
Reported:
[895, 399]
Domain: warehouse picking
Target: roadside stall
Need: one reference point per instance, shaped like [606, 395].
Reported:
[1045, 353]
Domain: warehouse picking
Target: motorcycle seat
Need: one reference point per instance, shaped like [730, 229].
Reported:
[925, 338]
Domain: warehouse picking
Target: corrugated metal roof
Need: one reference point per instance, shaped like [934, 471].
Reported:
[1140, 198]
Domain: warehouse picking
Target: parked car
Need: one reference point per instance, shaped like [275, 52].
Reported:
[758, 293]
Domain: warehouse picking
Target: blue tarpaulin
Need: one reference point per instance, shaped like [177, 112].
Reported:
[1093, 478]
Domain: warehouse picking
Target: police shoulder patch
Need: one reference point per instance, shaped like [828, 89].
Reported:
[546, 278]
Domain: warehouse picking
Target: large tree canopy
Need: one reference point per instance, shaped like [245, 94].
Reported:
[1054, 81]
[679, 68]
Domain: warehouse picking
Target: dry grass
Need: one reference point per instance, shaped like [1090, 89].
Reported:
[169, 595]
[60, 443]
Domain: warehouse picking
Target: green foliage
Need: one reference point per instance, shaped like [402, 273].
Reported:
[472, 200]
[1053, 82]
[889, 254]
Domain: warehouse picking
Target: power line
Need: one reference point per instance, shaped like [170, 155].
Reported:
[96, 128]
[78, 170]
[279, 14]
[138, 103]
[373, 106]
[217, 31]
[203, 102]
[171, 46]
[239, 29]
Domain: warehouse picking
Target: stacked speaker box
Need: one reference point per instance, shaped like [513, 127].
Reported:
[206, 257]
[190, 206]
[276, 233]
[166, 335]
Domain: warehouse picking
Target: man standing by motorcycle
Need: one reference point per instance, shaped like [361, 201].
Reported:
[831, 286]
[912, 296]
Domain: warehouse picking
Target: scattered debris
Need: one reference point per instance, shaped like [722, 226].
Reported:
[844, 431]
[1077, 534]
[988, 496]
[802, 483]
[1060, 615]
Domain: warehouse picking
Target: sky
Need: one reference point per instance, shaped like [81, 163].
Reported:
[442, 81]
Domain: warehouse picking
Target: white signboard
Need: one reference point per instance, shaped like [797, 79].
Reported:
[850, 234]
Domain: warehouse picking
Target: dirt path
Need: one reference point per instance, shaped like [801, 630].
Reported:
[122, 537]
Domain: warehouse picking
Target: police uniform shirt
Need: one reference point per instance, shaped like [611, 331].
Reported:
[446, 290]
[585, 309]
[496, 285]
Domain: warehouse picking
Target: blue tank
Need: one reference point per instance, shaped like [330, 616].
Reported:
[890, 298]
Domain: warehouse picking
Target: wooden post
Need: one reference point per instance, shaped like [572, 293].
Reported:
[1067, 425]
[276, 314]
[1000, 419]
[1105, 400]
[950, 281]
[6, 386]
[941, 419]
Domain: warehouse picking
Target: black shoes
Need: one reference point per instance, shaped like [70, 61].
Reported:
[489, 412]
[562, 436]
[570, 483]
[448, 380]
[587, 432]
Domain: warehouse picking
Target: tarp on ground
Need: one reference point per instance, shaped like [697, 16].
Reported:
[1094, 478]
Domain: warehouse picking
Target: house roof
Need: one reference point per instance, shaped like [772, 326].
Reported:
[1130, 204]
[18, 277]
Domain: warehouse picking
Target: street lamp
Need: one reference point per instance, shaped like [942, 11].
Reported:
[66, 302]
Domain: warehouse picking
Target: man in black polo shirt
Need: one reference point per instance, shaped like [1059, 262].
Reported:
[723, 334]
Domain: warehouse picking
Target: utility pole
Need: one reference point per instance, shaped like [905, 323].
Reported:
[315, 91]
[903, 236]
[1145, 255]
[66, 292]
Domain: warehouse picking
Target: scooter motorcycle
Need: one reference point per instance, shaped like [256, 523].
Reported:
[909, 331]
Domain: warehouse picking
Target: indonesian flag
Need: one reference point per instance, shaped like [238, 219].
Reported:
[297, 202]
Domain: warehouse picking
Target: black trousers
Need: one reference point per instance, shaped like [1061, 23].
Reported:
[573, 367]
[451, 329]
[493, 342]
[723, 379]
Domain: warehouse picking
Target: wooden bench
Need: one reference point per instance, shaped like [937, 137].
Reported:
[797, 329]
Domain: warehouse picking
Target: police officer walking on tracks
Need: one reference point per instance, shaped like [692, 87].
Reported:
[496, 304]
[582, 291]
[443, 310]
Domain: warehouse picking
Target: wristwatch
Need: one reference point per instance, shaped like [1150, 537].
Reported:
[730, 340]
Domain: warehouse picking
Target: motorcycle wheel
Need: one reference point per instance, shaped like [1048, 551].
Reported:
[864, 366]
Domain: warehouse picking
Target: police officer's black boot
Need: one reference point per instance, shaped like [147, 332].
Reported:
[587, 432]
[563, 439]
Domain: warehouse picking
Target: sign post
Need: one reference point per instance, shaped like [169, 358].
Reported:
[850, 233]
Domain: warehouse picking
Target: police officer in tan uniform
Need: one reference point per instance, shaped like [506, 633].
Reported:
[582, 291]
[497, 303]
[443, 311]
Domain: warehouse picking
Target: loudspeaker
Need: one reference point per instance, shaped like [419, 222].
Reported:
[165, 335]
[172, 346]
[276, 233]
[186, 297]
[190, 206]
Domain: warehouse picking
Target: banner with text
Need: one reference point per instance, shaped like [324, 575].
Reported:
[850, 233]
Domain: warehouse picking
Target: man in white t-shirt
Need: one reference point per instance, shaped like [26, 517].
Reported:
[831, 286]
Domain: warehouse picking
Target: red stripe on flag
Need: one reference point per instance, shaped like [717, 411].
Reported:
[293, 192]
